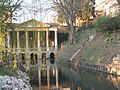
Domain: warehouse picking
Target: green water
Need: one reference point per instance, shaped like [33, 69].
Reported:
[62, 77]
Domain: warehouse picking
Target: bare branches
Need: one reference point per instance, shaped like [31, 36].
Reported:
[7, 8]
[37, 9]
[70, 10]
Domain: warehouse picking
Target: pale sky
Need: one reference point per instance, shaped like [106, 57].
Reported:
[97, 1]
[25, 14]
[44, 17]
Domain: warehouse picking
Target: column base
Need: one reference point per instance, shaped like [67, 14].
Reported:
[27, 56]
[39, 56]
[47, 55]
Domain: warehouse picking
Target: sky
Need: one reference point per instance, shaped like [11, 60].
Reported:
[26, 14]
[97, 1]
[46, 17]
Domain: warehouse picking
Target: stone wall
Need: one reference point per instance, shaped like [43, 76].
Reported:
[113, 68]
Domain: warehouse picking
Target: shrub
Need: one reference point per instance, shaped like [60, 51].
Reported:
[102, 24]
[90, 27]
[117, 18]
[107, 24]
[83, 27]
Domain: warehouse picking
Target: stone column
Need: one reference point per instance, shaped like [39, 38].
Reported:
[8, 39]
[27, 49]
[38, 39]
[56, 38]
[47, 43]
[18, 41]
[26, 33]
[39, 49]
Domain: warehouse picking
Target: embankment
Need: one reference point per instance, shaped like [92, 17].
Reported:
[96, 54]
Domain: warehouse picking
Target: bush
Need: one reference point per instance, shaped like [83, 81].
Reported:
[107, 24]
[102, 24]
[83, 27]
[117, 18]
[90, 27]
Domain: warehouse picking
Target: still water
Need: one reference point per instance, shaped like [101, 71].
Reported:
[55, 76]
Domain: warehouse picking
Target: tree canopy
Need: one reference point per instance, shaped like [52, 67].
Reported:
[61, 18]
[118, 1]
[71, 9]
[7, 8]
[7, 11]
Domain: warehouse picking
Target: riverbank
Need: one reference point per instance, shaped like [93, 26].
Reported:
[97, 51]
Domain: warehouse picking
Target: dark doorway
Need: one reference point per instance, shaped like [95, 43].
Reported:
[23, 58]
[52, 58]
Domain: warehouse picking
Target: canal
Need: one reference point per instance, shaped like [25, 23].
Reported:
[50, 75]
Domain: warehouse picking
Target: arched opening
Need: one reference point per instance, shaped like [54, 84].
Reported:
[33, 58]
[23, 58]
[52, 58]
[52, 55]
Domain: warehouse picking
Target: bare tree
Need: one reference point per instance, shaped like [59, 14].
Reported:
[70, 10]
[36, 9]
[7, 8]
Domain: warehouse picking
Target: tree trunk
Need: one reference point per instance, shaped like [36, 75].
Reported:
[87, 22]
[72, 34]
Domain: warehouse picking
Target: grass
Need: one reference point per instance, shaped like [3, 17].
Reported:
[100, 50]
[7, 71]
[69, 50]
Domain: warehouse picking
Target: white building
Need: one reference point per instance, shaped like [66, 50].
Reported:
[109, 7]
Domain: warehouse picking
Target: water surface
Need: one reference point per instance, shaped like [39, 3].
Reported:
[55, 76]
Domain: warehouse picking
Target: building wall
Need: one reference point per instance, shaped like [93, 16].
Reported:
[108, 7]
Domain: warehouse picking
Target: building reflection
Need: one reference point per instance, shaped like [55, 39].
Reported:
[115, 80]
[48, 75]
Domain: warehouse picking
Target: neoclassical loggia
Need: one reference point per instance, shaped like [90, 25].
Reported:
[29, 38]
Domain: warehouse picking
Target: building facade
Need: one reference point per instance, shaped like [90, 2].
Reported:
[32, 37]
[108, 7]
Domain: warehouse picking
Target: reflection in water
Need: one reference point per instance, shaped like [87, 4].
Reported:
[48, 74]
[56, 76]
